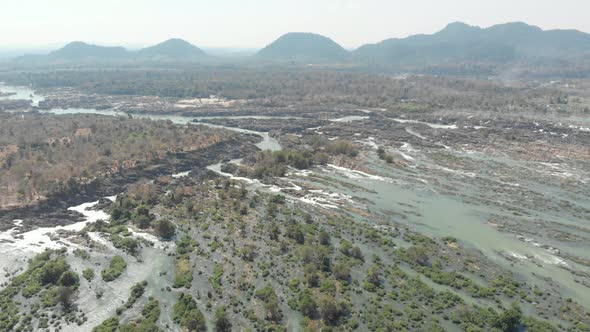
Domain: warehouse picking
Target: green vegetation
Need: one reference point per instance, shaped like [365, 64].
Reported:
[188, 315]
[340, 147]
[165, 229]
[384, 155]
[49, 280]
[222, 322]
[257, 260]
[146, 323]
[215, 280]
[184, 273]
[128, 244]
[136, 292]
[271, 303]
[273, 164]
[150, 315]
[81, 253]
[115, 269]
[109, 325]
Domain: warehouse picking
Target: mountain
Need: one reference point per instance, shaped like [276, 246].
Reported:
[82, 51]
[304, 47]
[176, 49]
[461, 42]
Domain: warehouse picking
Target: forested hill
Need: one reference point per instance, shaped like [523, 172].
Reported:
[461, 42]
[304, 46]
[458, 49]
[83, 51]
[171, 49]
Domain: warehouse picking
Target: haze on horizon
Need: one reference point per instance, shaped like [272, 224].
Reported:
[255, 23]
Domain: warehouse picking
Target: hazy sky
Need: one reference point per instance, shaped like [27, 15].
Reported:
[254, 23]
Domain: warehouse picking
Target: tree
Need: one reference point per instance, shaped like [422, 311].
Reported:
[345, 247]
[294, 232]
[69, 279]
[373, 279]
[194, 321]
[65, 297]
[311, 275]
[341, 272]
[324, 238]
[307, 304]
[509, 320]
[418, 254]
[222, 322]
[143, 222]
[165, 229]
[88, 274]
[329, 310]
[186, 313]
[274, 231]
[356, 252]
[52, 271]
[248, 253]
[271, 303]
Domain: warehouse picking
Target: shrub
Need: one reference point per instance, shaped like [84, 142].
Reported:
[115, 269]
[165, 229]
[187, 314]
[222, 322]
[69, 279]
[88, 274]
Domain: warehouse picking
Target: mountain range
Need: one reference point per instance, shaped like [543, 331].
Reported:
[462, 42]
[457, 42]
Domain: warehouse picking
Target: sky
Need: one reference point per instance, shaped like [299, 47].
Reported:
[255, 23]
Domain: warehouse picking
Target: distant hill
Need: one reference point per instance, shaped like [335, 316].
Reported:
[172, 49]
[304, 47]
[461, 42]
[176, 49]
[457, 48]
[81, 51]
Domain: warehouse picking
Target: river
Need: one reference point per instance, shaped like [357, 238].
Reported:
[434, 214]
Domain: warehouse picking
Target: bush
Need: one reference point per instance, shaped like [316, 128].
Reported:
[294, 232]
[341, 271]
[165, 229]
[187, 314]
[340, 147]
[509, 320]
[109, 325]
[115, 269]
[307, 304]
[271, 303]
[324, 238]
[88, 274]
[52, 271]
[248, 253]
[373, 278]
[128, 244]
[69, 279]
[222, 322]
[81, 253]
[330, 310]
[184, 273]
[136, 292]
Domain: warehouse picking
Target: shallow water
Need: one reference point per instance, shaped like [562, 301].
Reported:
[417, 194]
[267, 143]
[350, 118]
[429, 124]
[438, 214]
[22, 93]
